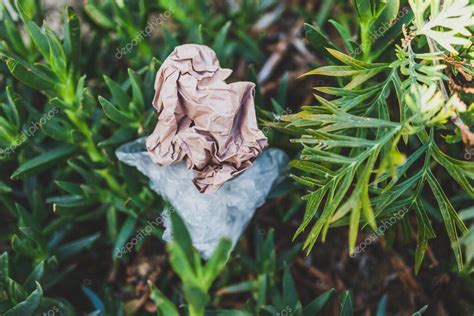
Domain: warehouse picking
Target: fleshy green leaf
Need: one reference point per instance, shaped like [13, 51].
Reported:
[43, 161]
[28, 306]
[165, 306]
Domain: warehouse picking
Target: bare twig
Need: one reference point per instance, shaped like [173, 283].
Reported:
[280, 51]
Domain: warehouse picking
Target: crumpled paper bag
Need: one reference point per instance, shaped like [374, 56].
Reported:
[213, 216]
[202, 120]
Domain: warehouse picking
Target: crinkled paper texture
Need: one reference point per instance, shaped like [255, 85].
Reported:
[209, 217]
[202, 120]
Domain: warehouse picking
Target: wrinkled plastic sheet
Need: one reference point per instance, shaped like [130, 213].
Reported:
[212, 216]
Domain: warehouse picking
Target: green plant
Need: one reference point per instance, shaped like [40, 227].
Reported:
[196, 278]
[265, 264]
[354, 144]
[38, 247]
[467, 240]
[65, 172]
[68, 100]
[287, 302]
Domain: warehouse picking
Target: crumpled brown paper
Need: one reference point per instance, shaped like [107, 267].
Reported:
[203, 120]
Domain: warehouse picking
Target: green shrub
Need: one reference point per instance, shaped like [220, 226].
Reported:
[374, 144]
[70, 97]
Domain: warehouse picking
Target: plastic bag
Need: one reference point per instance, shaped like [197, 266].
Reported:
[212, 216]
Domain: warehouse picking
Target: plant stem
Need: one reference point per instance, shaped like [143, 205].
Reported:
[366, 41]
[91, 149]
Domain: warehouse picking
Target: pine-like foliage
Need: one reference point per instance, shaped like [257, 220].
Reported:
[372, 145]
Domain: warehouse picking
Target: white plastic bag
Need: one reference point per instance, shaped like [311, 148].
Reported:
[209, 217]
